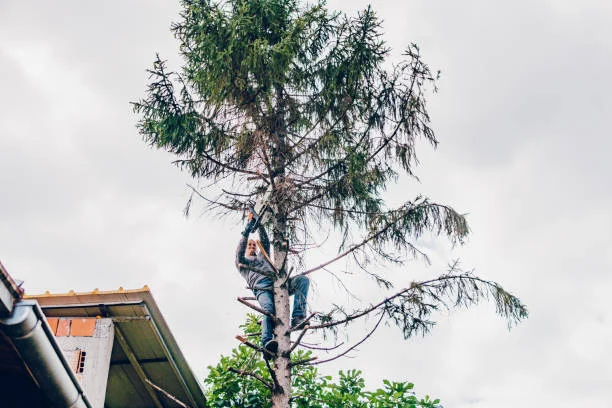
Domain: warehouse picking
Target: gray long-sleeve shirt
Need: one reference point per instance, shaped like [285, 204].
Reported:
[258, 261]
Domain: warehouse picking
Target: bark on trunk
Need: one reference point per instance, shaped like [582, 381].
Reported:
[282, 393]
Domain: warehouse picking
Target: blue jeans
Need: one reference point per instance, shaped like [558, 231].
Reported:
[298, 286]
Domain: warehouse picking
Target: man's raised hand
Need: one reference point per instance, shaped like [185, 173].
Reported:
[250, 226]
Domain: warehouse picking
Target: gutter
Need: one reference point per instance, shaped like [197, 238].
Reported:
[32, 337]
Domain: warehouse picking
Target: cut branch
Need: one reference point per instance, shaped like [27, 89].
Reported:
[259, 309]
[253, 346]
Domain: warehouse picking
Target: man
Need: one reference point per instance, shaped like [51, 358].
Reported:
[262, 285]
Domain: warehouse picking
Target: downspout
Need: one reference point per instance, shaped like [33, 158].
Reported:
[32, 337]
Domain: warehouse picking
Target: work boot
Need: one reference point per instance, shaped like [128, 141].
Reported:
[299, 323]
[272, 347]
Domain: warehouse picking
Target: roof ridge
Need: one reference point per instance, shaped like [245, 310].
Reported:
[96, 291]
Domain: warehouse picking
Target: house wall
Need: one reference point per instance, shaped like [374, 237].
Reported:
[87, 344]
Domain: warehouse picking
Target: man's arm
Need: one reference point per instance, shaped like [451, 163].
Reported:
[240, 258]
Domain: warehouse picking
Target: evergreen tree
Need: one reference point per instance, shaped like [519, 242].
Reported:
[290, 98]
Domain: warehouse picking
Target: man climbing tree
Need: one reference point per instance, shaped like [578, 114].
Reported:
[257, 269]
[287, 98]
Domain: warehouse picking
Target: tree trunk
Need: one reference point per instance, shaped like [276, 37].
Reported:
[282, 393]
[282, 369]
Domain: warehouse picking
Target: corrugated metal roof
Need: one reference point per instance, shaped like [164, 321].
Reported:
[137, 317]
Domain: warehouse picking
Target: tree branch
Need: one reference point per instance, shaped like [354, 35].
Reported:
[297, 341]
[506, 304]
[260, 310]
[272, 374]
[254, 375]
[253, 346]
[354, 346]
[311, 347]
[227, 207]
[301, 362]
[361, 244]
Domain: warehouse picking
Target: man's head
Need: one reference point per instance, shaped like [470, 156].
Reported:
[251, 249]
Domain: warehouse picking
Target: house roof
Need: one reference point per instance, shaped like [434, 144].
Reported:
[147, 367]
[10, 292]
[33, 369]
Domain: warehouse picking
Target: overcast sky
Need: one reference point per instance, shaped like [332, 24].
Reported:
[523, 117]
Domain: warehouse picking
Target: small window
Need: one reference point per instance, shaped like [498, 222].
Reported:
[80, 361]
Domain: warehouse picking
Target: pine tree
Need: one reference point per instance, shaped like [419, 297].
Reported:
[291, 98]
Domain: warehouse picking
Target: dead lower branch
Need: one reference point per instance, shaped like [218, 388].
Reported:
[213, 202]
[297, 342]
[253, 346]
[305, 321]
[259, 309]
[254, 375]
[311, 347]
[272, 374]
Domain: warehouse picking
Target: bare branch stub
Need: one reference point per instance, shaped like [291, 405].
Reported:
[253, 346]
[258, 309]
